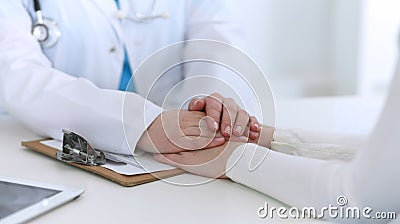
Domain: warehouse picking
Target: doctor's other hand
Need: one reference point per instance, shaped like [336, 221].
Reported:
[211, 162]
[227, 116]
[180, 130]
[208, 162]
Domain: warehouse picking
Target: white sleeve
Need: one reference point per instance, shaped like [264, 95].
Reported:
[48, 100]
[370, 179]
[306, 143]
[296, 181]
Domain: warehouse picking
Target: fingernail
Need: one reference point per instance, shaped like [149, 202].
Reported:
[228, 130]
[238, 130]
[254, 135]
[195, 103]
[215, 125]
[256, 125]
[219, 139]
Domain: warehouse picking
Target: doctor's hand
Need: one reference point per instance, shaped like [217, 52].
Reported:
[208, 162]
[227, 116]
[181, 130]
[211, 162]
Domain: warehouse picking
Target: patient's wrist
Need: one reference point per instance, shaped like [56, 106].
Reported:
[266, 136]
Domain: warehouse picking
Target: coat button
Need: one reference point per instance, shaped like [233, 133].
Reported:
[113, 49]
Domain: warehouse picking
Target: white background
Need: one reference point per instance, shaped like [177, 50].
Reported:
[323, 47]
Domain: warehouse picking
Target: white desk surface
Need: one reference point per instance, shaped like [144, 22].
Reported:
[220, 201]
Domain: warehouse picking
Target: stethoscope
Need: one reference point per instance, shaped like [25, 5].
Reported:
[48, 33]
[45, 30]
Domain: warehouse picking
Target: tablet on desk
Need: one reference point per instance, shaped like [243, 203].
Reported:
[21, 200]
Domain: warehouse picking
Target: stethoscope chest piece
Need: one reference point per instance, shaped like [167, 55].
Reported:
[46, 32]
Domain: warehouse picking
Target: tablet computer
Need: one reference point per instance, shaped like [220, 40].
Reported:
[22, 200]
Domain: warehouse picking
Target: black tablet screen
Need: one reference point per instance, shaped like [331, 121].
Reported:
[14, 197]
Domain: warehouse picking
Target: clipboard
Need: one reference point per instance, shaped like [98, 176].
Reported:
[124, 180]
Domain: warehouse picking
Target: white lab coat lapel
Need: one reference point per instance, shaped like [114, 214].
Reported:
[109, 9]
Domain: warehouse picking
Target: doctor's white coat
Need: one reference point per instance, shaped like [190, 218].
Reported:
[73, 85]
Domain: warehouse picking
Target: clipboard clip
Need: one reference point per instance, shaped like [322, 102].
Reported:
[77, 150]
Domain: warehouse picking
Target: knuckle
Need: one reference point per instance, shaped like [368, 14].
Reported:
[217, 95]
[213, 101]
[231, 111]
[230, 103]
[214, 105]
[213, 112]
[229, 100]
[254, 119]
[214, 97]
[243, 113]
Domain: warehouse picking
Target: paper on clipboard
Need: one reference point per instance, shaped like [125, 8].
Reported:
[146, 162]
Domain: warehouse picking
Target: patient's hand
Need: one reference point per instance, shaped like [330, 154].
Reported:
[227, 116]
[181, 130]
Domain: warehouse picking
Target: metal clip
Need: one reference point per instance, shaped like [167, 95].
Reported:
[76, 149]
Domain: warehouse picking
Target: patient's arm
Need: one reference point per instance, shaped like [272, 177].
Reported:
[370, 179]
[306, 143]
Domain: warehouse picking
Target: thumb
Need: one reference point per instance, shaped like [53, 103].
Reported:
[197, 105]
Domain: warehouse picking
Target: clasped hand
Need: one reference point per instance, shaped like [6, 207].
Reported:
[209, 130]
